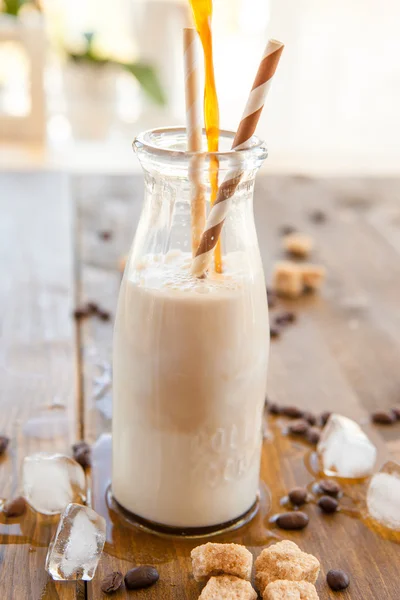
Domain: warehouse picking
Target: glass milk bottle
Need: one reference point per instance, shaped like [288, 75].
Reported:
[190, 354]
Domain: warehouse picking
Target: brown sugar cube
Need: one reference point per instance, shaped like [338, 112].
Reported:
[287, 279]
[313, 276]
[227, 587]
[290, 590]
[285, 560]
[221, 559]
[299, 245]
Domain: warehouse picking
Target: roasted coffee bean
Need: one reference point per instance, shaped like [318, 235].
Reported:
[337, 580]
[4, 441]
[329, 487]
[309, 417]
[79, 446]
[274, 409]
[92, 308]
[82, 454]
[83, 457]
[318, 216]
[274, 332]
[141, 577]
[381, 417]
[292, 520]
[105, 235]
[299, 427]
[287, 229]
[15, 507]
[313, 435]
[112, 582]
[292, 412]
[396, 412]
[80, 313]
[285, 318]
[103, 315]
[324, 417]
[328, 504]
[298, 496]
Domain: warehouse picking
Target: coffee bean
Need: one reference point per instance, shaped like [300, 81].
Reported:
[112, 582]
[292, 520]
[313, 435]
[83, 457]
[80, 313]
[285, 318]
[103, 315]
[318, 216]
[309, 417]
[287, 229]
[298, 496]
[82, 454]
[79, 446]
[15, 507]
[141, 577]
[4, 441]
[396, 412]
[92, 308]
[299, 427]
[328, 504]
[324, 417]
[292, 412]
[274, 332]
[105, 235]
[381, 417]
[329, 487]
[337, 580]
[274, 409]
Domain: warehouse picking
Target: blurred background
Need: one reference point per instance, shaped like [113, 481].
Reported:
[79, 78]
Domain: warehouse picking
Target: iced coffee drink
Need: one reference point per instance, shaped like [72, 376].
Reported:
[190, 377]
[190, 353]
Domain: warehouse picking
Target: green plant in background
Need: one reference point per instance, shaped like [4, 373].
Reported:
[12, 7]
[144, 74]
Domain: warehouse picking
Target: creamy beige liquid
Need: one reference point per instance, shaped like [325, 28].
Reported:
[190, 364]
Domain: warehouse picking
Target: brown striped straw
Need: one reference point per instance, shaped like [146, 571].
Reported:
[247, 126]
[194, 134]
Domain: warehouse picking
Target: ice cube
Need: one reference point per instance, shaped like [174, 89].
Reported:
[383, 496]
[345, 449]
[51, 481]
[76, 548]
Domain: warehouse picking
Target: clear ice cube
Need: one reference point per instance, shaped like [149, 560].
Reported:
[51, 481]
[383, 496]
[76, 548]
[345, 449]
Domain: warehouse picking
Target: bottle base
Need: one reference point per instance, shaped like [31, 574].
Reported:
[187, 532]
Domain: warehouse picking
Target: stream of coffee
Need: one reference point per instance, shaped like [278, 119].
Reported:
[202, 13]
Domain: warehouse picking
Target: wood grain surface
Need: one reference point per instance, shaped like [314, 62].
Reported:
[36, 364]
[342, 354]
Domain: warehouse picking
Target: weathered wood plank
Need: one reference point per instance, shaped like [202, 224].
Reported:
[337, 356]
[36, 364]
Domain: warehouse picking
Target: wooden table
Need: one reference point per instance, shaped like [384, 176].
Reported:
[343, 354]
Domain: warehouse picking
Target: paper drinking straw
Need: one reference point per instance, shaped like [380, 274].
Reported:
[194, 134]
[247, 126]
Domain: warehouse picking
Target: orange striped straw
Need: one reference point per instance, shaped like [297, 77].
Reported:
[194, 134]
[247, 126]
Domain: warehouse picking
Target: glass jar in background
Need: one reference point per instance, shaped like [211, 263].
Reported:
[190, 355]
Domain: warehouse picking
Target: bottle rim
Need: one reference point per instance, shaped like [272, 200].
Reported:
[155, 142]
